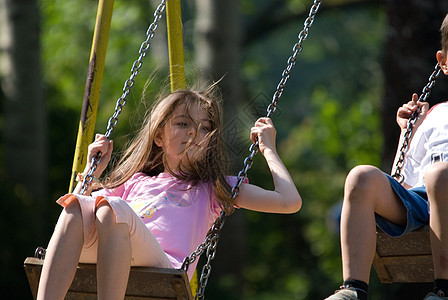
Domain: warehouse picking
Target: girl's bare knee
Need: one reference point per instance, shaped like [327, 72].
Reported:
[72, 213]
[104, 214]
[107, 226]
[73, 208]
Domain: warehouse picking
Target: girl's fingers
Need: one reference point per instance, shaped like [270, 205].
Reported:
[254, 132]
[263, 131]
[263, 121]
[109, 150]
[101, 144]
[261, 125]
[99, 137]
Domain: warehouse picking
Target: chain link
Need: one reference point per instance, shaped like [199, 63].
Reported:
[212, 238]
[129, 83]
[410, 126]
[40, 252]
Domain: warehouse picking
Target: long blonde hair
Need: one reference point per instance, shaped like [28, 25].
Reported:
[143, 155]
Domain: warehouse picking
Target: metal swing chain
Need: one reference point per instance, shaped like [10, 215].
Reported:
[410, 126]
[212, 237]
[121, 102]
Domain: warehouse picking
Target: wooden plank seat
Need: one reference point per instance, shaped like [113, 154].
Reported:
[144, 282]
[404, 259]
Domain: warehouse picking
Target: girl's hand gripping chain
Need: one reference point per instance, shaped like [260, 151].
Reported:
[264, 131]
[105, 146]
[101, 144]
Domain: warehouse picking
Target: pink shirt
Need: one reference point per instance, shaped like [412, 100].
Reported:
[178, 215]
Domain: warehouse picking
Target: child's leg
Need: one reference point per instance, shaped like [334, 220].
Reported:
[120, 245]
[436, 180]
[367, 190]
[62, 254]
[114, 254]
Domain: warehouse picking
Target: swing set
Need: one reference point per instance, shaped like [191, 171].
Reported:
[149, 282]
[404, 259]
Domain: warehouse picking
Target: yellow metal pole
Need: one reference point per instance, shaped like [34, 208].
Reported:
[175, 44]
[93, 87]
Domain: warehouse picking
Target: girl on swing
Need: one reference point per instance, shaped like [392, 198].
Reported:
[372, 196]
[160, 200]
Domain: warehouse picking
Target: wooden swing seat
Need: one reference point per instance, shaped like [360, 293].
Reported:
[144, 282]
[404, 259]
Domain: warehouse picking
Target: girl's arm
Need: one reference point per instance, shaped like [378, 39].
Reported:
[105, 146]
[284, 198]
[404, 113]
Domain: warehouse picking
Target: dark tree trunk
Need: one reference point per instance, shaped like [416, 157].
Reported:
[24, 123]
[23, 157]
[24, 128]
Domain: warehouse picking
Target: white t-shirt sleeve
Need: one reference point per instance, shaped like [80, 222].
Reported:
[429, 144]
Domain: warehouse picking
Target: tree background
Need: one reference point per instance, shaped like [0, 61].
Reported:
[362, 60]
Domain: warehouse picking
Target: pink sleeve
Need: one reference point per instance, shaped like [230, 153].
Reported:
[231, 180]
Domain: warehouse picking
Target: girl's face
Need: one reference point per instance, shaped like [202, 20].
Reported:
[184, 134]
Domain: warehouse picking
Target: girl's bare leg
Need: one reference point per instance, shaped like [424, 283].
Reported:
[367, 190]
[62, 254]
[114, 254]
[436, 179]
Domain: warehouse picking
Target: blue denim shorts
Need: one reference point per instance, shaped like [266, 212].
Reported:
[416, 202]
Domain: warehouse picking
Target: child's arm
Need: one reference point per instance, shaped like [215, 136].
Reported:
[103, 145]
[284, 198]
[404, 113]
